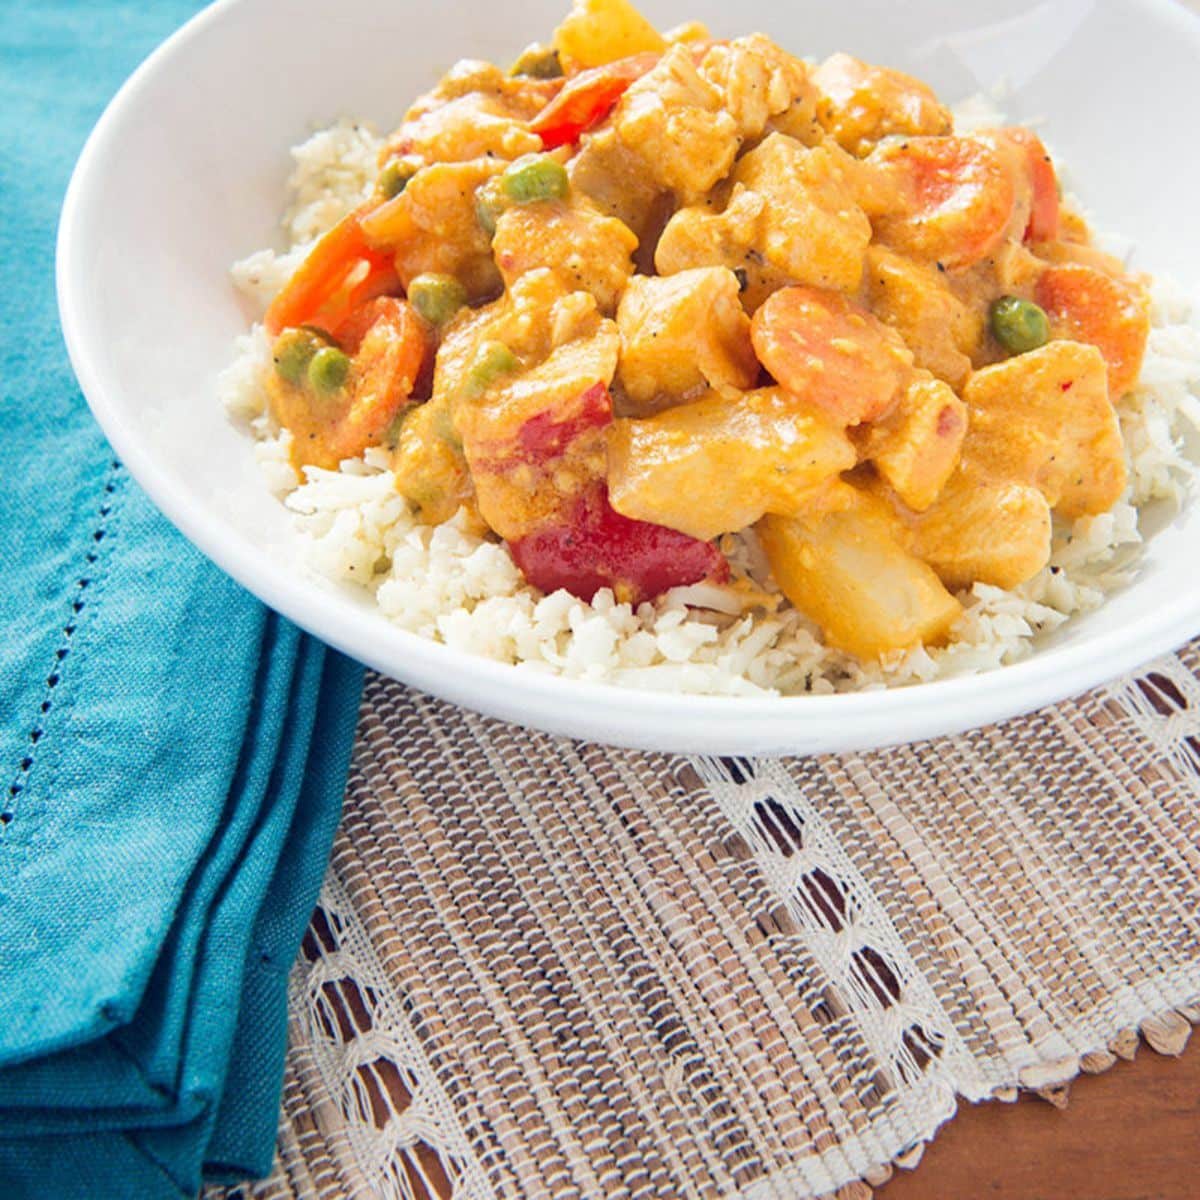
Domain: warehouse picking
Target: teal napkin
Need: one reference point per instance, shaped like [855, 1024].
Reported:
[173, 754]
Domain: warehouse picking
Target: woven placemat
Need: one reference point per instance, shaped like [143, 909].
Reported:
[543, 968]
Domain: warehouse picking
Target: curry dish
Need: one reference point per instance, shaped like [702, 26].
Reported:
[639, 291]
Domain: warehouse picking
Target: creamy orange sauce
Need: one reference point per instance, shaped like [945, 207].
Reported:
[709, 286]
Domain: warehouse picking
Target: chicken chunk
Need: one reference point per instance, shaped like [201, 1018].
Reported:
[611, 175]
[432, 226]
[672, 119]
[700, 237]
[522, 96]
[917, 446]
[533, 318]
[759, 81]
[845, 566]
[860, 104]
[978, 532]
[719, 463]
[1044, 418]
[792, 217]
[942, 332]
[535, 438]
[471, 126]
[476, 110]
[682, 332]
[587, 250]
[811, 228]
[431, 472]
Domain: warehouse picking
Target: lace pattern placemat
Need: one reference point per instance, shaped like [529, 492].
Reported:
[543, 968]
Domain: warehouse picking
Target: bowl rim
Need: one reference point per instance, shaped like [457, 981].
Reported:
[924, 709]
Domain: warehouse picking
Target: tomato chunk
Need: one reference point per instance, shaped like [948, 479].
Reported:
[828, 350]
[587, 98]
[1086, 305]
[540, 483]
[595, 547]
[340, 273]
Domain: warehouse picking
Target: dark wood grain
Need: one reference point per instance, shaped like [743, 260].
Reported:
[1132, 1133]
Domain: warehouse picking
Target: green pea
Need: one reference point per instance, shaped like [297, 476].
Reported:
[1019, 325]
[436, 297]
[293, 351]
[492, 360]
[328, 370]
[538, 62]
[394, 177]
[490, 202]
[391, 435]
[535, 177]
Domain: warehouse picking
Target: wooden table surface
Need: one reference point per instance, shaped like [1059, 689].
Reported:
[1132, 1133]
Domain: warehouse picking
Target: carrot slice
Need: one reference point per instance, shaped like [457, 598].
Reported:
[1087, 305]
[957, 197]
[587, 98]
[389, 347]
[821, 346]
[340, 273]
[1043, 216]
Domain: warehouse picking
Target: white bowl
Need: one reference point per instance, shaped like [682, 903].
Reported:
[184, 173]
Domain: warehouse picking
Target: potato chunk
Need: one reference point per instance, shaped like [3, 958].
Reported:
[861, 103]
[915, 300]
[997, 533]
[596, 32]
[792, 217]
[432, 226]
[917, 446]
[845, 566]
[680, 332]
[673, 119]
[719, 463]
[1044, 418]
[587, 250]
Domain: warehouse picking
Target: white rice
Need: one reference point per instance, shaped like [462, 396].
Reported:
[449, 584]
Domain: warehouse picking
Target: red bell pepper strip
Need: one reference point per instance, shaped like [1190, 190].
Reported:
[587, 98]
[340, 273]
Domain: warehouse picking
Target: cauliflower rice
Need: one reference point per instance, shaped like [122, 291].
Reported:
[447, 583]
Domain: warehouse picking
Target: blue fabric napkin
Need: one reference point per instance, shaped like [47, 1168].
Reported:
[173, 753]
